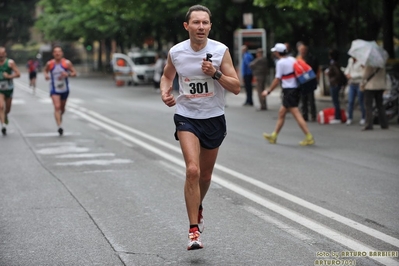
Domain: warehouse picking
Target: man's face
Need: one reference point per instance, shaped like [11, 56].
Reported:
[198, 26]
[3, 55]
[276, 54]
[57, 53]
[302, 50]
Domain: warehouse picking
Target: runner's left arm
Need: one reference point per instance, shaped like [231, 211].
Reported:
[229, 80]
[71, 68]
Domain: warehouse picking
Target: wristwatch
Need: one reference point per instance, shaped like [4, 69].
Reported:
[217, 75]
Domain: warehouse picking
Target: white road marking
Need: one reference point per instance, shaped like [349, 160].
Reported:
[98, 171]
[50, 134]
[321, 229]
[46, 100]
[84, 155]
[17, 101]
[97, 162]
[75, 100]
[279, 224]
[315, 208]
[308, 223]
[55, 144]
[62, 149]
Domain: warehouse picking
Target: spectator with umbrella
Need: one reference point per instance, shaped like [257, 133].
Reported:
[373, 57]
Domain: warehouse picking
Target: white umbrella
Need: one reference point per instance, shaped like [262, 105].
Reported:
[368, 53]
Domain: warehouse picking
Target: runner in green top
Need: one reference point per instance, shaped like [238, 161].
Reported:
[8, 71]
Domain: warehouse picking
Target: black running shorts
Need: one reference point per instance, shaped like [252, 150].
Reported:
[291, 97]
[32, 75]
[210, 132]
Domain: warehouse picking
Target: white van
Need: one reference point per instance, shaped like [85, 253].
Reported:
[139, 67]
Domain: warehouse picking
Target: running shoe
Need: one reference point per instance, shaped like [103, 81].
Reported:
[200, 221]
[194, 239]
[306, 142]
[6, 120]
[4, 131]
[60, 131]
[270, 137]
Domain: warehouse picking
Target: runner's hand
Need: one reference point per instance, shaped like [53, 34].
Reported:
[265, 93]
[64, 74]
[168, 98]
[207, 67]
[6, 75]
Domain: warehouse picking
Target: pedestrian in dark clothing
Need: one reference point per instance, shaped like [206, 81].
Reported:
[374, 85]
[259, 69]
[334, 76]
[308, 100]
[247, 75]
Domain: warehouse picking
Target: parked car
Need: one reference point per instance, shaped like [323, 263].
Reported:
[138, 68]
[122, 67]
[143, 66]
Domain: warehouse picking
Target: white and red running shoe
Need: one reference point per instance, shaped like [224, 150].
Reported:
[201, 226]
[194, 239]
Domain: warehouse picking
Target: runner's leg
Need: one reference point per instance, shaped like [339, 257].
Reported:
[57, 108]
[2, 109]
[8, 101]
[207, 162]
[190, 146]
[299, 119]
[62, 107]
[281, 118]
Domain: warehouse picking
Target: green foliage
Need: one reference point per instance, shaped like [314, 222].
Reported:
[16, 17]
[322, 23]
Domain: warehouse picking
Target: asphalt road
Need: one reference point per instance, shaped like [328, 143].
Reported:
[110, 191]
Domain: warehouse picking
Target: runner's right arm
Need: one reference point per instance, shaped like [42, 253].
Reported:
[166, 85]
[46, 71]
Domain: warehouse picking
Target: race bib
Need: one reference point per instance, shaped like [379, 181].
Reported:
[4, 85]
[60, 85]
[198, 87]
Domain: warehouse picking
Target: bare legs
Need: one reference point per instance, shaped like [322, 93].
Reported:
[296, 114]
[199, 167]
[59, 108]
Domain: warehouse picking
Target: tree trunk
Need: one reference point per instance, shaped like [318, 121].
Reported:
[100, 54]
[389, 7]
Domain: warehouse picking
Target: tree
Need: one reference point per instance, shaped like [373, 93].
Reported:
[348, 19]
[15, 20]
[388, 22]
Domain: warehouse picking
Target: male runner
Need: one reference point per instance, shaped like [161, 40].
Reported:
[8, 71]
[58, 70]
[291, 94]
[199, 117]
[32, 66]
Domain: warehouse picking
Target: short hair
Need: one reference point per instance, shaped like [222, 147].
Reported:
[197, 8]
[57, 46]
[300, 43]
[334, 54]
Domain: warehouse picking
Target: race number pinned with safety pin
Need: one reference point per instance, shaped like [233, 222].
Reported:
[4, 85]
[198, 87]
[60, 85]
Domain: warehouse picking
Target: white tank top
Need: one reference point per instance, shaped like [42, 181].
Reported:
[200, 96]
